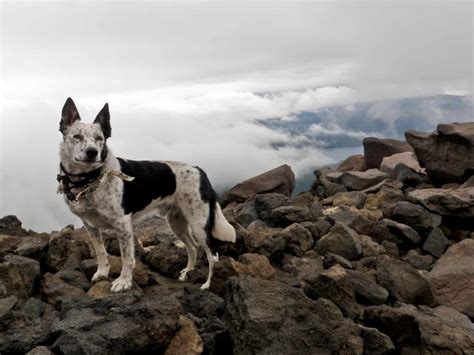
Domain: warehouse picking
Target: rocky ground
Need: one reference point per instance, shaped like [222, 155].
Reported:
[377, 258]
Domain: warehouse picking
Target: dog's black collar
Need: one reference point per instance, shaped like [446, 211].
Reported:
[65, 179]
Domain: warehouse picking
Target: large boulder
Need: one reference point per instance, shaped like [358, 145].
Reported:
[352, 163]
[447, 202]
[448, 153]
[375, 149]
[268, 317]
[452, 277]
[408, 159]
[357, 180]
[280, 180]
[11, 225]
[423, 330]
[414, 216]
[18, 276]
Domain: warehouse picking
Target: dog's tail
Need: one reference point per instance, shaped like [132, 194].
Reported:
[222, 229]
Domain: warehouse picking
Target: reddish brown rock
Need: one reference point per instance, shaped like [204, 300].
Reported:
[375, 149]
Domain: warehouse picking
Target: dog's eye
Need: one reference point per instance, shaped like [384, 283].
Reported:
[78, 136]
[99, 138]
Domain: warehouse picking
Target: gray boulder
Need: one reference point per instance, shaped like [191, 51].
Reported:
[375, 149]
[341, 240]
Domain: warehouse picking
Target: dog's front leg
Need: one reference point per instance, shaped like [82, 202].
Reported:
[124, 233]
[100, 252]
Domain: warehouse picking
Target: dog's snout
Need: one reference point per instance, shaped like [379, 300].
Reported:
[91, 153]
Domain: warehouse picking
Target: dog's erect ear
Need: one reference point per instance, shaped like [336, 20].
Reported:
[69, 115]
[103, 119]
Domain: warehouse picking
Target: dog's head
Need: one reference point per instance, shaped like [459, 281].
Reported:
[84, 144]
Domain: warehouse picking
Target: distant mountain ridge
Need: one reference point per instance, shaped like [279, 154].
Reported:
[347, 125]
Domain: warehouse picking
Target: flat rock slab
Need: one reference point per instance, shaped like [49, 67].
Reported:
[357, 180]
[375, 149]
[447, 202]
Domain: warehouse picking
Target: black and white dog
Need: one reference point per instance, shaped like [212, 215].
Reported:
[109, 193]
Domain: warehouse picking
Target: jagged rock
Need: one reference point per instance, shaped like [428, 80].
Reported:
[452, 277]
[403, 232]
[318, 228]
[402, 281]
[246, 213]
[303, 267]
[74, 278]
[18, 276]
[215, 336]
[447, 202]
[119, 323]
[298, 235]
[167, 259]
[39, 350]
[11, 225]
[409, 177]
[187, 340]
[352, 198]
[376, 342]
[366, 290]
[448, 153]
[414, 216]
[21, 332]
[34, 308]
[423, 330]
[270, 242]
[100, 289]
[201, 303]
[362, 221]
[383, 197]
[352, 163]
[301, 208]
[420, 262]
[53, 287]
[331, 259]
[375, 149]
[436, 243]
[64, 252]
[358, 180]
[7, 304]
[33, 247]
[369, 246]
[8, 244]
[341, 240]
[333, 284]
[266, 317]
[407, 159]
[280, 180]
[391, 248]
[266, 203]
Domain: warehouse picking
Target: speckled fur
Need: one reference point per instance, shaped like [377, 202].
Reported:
[102, 212]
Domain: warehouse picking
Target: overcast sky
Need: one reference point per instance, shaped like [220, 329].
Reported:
[186, 81]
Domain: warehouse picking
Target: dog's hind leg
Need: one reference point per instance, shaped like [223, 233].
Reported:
[123, 231]
[179, 225]
[202, 238]
[103, 266]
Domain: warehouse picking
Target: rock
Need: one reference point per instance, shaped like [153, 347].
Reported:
[352, 163]
[362, 221]
[331, 259]
[100, 289]
[11, 225]
[34, 308]
[201, 303]
[375, 149]
[452, 278]
[246, 213]
[447, 202]
[402, 232]
[7, 304]
[270, 242]
[53, 287]
[266, 203]
[407, 159]
[22, 332]
[18, 276]
[187, 339]
[358, 180]
[39, 350]
[33, 247]
[441, 330]
[384, 196]
[280, 180]
[330, 188]
[376, 342]
[436, 243]
[387, 183]
[74, 278]
[302, 268]
[119, 324]
[403, 282]
[167, 259]
[215, 336]
[414, 216]
[318, 228]
[333, 284]
[298, 235]
[62, 253]
[366, 290]
[341, 240]
[420, 262]
[370, 247]
[352, 198]
[267, 317]
[302, 208]
[448, 153]
[409, 177]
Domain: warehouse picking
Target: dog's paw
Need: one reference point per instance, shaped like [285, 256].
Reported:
[121, 284]
[206, 285]
[100, 274]
[183, 275]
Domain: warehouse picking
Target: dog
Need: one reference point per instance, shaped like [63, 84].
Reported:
[109, 194]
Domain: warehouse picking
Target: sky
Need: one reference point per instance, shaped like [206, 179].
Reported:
[193, 81]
